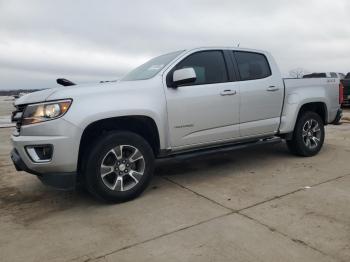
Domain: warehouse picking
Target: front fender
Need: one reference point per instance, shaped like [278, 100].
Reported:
[87, 110]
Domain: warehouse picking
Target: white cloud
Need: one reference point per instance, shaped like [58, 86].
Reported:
[53, 56]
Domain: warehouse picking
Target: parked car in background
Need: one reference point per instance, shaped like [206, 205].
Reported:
[108, 135]
[345, 85]
[341, 75]
[325, 75]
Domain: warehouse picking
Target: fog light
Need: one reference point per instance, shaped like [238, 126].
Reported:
[40, 153]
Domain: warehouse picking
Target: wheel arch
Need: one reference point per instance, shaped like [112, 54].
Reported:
[318, 107]
[144, 126]
[293, 111]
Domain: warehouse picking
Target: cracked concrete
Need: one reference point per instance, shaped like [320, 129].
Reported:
[257, 204]
[229, 238]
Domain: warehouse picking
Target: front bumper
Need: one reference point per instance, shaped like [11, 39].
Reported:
[64, 181]
[61, 171]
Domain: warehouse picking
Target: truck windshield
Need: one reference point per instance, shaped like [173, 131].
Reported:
[151, 68]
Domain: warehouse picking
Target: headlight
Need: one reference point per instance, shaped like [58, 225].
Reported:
[37, 113]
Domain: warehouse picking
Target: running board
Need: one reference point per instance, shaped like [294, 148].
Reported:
[220, 149]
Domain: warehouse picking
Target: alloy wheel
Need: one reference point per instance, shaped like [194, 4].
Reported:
[122, 167]
[311, 133]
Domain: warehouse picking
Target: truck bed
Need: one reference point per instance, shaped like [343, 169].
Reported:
[324, 90]
[314, 87]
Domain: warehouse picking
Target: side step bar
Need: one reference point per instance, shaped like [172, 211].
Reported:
[221, 149]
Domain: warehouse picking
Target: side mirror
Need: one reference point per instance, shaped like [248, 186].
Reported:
[184, 76]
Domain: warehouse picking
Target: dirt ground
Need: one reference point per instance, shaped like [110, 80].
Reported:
[256, 204]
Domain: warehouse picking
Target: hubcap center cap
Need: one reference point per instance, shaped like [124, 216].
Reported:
[122, 167]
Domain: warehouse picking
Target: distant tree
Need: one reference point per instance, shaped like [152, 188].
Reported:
[298, 72]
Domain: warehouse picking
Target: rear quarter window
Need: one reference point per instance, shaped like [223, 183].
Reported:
[252, 66]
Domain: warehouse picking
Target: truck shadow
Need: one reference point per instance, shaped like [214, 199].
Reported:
[242, 158]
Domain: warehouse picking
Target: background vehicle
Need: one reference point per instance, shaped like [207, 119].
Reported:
[346, 90]
[107, 137]
[325, 74]
[341, 75]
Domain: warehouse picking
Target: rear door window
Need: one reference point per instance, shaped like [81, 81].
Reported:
[252, 66]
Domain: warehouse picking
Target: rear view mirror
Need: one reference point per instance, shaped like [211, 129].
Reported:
[184, 76]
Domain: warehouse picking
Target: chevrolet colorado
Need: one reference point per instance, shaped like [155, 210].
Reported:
[106, 136]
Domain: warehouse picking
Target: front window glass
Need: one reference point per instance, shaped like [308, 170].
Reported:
[151, 68]
[210, 67]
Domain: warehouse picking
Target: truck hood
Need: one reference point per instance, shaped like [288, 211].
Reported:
[35, 97]
[78, 91]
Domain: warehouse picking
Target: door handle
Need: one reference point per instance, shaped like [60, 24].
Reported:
[272, 88]
[228, 92]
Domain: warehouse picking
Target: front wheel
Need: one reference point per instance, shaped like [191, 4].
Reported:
[308, 135]
[119, 167]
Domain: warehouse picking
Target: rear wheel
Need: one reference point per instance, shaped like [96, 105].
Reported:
[119, 167]
[308, 135]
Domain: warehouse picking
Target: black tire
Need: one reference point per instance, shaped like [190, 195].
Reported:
[99, 186]
[298, 145]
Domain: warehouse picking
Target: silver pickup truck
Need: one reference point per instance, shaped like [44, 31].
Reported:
[106, 136]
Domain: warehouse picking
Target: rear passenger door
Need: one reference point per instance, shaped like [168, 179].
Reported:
[261, 94]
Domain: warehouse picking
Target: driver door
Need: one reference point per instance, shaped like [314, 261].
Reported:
[205, 111]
